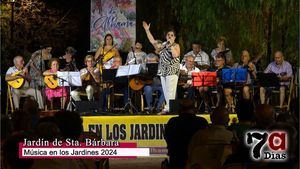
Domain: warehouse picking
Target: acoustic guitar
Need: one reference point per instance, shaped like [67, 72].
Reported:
[51, 81]
[18, 83]
[136, 83]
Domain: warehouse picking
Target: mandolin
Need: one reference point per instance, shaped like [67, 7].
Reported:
[18, 83]
[51, 81]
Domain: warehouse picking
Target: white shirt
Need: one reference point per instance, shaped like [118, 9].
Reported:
[201, 58]
[189, 73]
[140, 57]
[14, 69]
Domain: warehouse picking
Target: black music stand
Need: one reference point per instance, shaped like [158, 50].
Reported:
[108, 75]
[268, 79]
[152, 69]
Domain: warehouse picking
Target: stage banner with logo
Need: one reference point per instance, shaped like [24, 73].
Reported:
[146, 131]
[117, 17]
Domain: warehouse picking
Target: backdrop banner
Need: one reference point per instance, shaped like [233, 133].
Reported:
[146, 131]
[117, 17]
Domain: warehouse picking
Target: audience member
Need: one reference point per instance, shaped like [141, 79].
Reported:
[210, 147]
[10, 152]
[179, 131]
[264, 116]
[245, 114]
[69, 124]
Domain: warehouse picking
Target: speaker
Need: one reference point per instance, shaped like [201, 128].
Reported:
[88, 106]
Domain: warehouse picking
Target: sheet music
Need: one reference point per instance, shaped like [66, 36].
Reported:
[69, 78]
[122, 71]
[134, 69]
[128, 70]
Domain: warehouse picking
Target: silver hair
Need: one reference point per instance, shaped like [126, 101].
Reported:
[16, 58]
[152, 55]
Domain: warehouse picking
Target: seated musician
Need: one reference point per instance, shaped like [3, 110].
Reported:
[149, 89]
[119, 85]
[186, 73]
[222, 88]
[245, 63]
[90, 79]
[107, 51]
[201, 58]
[284, 71]
[70, 64]
[24, 89]
[222, 48]
[138, 56]
[60, 91]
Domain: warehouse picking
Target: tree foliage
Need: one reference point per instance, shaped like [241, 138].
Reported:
[35, 24]
[261, 26]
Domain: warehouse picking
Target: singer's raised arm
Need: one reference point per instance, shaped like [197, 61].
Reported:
[149, 35]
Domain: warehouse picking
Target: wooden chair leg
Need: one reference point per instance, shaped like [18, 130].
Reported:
[108, 102]
[51, 104]
[10, 99]
[142, 101]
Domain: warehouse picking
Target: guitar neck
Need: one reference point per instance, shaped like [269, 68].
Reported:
[28, 63]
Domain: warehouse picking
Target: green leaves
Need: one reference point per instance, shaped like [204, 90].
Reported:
[245, 23]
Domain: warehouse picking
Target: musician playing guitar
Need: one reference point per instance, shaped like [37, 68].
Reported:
[149, 89]
[284, 71]
[222, 88]
[90, 78]
[119, 85]
[186, 73]
[108, 51]
[18, 74]
[247, 64]
[52, 89]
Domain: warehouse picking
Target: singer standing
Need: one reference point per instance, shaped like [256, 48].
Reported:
[169, 65]
[38, 65]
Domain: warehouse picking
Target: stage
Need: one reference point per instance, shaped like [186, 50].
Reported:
[145, 130]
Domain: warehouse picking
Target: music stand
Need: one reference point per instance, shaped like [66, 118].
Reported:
[268, 79]
[69, 79]
[204, 79]
[108, 75]
[152, 69]
[234, 77]
[128, 71]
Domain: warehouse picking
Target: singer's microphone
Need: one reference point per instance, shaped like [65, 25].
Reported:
[165, 45]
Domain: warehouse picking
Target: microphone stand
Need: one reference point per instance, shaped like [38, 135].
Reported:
[41, 76]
